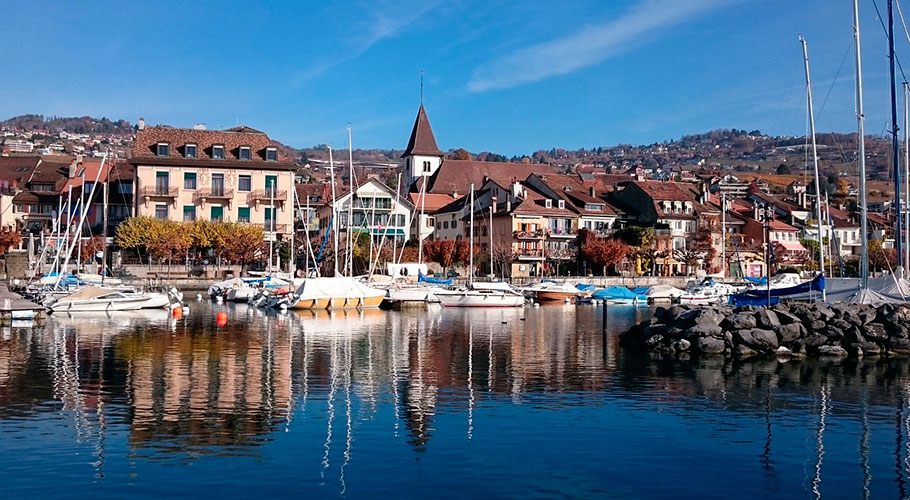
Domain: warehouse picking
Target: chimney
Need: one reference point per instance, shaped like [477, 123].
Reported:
[508, 206]
[199, 126]
[755, 211]
[141, 123]
[592, 192]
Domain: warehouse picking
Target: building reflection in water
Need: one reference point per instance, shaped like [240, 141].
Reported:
[188, 386]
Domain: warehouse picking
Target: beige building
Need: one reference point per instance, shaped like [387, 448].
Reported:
[234, 175]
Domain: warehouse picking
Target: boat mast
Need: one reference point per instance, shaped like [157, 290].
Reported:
[818, 192]
[334, 209]
[492, 206]
[104, 226]
[723, 234]
[78, 231]
[861, 138]
[906, 256]
[292, 265]
[350, 232]
[423, 196]
[271, 224]
[896, 148]
[471, 246]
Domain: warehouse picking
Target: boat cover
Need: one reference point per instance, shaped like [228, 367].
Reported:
[337, 287]
[617, 292]
[435, 281]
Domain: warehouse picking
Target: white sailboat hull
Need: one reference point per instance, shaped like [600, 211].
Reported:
[474, 298]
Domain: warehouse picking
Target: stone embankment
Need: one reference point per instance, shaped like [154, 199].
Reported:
[794, 329]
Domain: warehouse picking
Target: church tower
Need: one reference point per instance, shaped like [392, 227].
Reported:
[422, 156]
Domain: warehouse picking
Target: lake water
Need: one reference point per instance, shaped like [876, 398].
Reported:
[434, 403]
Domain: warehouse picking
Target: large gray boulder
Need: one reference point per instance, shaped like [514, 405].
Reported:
[786, 317]
[790, 332]
[704, 331]
[832, 351]
[741, 321]
[874, 331]
[766, 318]
[814, 340]
[756, 338]
[710, 345]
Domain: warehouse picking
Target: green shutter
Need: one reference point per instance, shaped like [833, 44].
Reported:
[217, 212]
[243, 214]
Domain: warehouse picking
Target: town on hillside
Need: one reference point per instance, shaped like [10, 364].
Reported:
[726, 203]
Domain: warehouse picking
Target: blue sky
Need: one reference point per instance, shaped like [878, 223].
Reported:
[510, 77]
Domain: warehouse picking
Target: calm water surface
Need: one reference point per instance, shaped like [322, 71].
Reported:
[432, 403]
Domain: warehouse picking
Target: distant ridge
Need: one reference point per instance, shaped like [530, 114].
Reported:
[76, 124]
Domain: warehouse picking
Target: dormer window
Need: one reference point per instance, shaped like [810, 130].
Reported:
[426, 166]
[189, 151]
[163, 149]
[561, 203]
[271, 154]
[244, 153]
[218, 152]
[548, 203]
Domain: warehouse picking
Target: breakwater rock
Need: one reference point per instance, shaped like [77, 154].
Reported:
[786, 329]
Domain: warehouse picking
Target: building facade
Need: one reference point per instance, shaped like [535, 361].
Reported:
[235, 175]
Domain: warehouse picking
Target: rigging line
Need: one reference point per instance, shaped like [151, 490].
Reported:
[900, 14]
[836, 76]
[881, 21]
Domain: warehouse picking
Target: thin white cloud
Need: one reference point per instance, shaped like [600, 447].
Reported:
[382, 20]
[589, 46]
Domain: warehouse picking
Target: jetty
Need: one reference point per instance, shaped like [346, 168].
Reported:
[13, 306]
[795, 329]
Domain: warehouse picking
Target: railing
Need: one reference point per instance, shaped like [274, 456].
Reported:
[662, 232]
[528, 235]
[274, 228]
[534, 253]
[213, 194]
[562, 233]
[159, 191]
[265, 195]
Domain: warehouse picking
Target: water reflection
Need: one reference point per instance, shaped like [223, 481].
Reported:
[345, 390]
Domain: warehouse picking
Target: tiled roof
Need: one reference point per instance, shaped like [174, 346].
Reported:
[664, 191]
[535, 204]
[575, 192]
[422, 141]
[17, 169]
[433, 202]
[456, 176]
[147, 139]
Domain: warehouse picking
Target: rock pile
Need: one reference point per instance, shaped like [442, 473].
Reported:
[791, 329]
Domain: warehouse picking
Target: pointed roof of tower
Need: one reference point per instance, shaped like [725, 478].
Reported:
[422, 141]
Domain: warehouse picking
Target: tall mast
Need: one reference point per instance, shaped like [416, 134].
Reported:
[906, 233]
[723, 234]
[292, 265]
[471, 247]
[423, 196]
[492, 207]
[861, 139]
[271, 223]
[896, 148]
[104, 226]
[350, 232]
[334, 209]
[818, 192]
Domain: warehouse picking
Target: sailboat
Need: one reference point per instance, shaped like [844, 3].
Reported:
[492, 294]
[338, 291]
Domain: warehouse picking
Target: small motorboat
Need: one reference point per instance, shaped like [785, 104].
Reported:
[707, 292]
[663, 294]
[555, 292]
[493, 294]
[338, 292]
[93, 298]
[620, 295]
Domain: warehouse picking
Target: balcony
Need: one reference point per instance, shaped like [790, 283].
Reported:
[159, 192]
[562, 233]
[529, 254]
[266, 196]
[274, 228]
[213, 194]
[528, 235]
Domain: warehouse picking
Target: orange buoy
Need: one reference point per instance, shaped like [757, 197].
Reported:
[221, 319]
[177, 312]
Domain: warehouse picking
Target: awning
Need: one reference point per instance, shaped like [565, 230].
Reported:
[791, 246]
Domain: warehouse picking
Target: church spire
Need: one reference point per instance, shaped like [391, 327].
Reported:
[422, 141]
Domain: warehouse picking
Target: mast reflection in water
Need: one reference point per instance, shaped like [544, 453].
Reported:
[441, 403]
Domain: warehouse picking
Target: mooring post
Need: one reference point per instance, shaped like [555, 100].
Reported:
[603, 332]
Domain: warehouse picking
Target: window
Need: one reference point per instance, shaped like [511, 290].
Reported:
[244, 183]
[548, 203]
[189, 213]
[189, 151]
[218, 152]
[271, 184]
[244, 153]
[445, 225]
[217, 184]
[426, 166]
[271, 154]
[243, 215]
[562, 203]
[217, 213]
[118, 212]
[162, 183]
[454, 224]
[163, 149]
[125, 188]
[269, 219]
[189, 180]
[161, 211]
